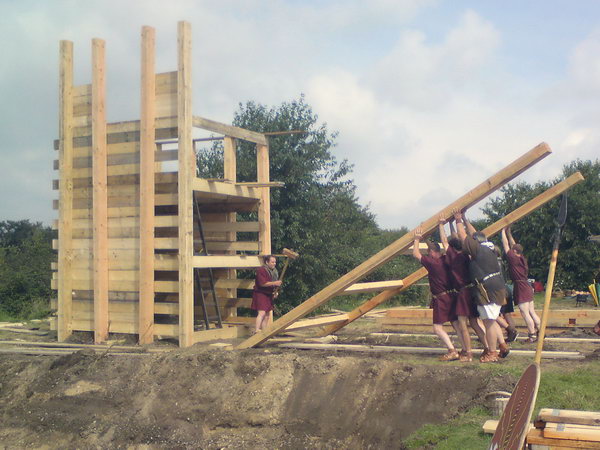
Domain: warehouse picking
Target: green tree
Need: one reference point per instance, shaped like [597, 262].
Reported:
[25, 273]
[317, 213]
[578, 258]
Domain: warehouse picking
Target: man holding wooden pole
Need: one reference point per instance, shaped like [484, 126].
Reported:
[490, 290]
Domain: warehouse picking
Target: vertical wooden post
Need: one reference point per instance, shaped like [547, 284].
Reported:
[65, 192]
[264, 217]
[100, 195]
[185, 176]
[147, 161]
[230, 173]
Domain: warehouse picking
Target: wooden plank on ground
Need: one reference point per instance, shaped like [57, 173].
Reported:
[392, 250]
[570, 431]
[417, 350]
[569, 416]
[317, 322]
[227, 332]
[514, 216]
[536, 437]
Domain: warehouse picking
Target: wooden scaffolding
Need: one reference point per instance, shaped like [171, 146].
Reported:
[129, 230]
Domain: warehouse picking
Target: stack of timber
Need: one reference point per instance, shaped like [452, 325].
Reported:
[128, 242]
[560, 429]
[420, 320]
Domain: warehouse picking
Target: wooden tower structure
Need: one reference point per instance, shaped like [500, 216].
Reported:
[136, 240]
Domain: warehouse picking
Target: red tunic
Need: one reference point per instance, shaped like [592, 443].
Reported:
[458, 264]
[262, 296]
[444, 303]
[518, 269]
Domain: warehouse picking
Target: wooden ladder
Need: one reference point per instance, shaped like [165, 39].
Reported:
[201, 293]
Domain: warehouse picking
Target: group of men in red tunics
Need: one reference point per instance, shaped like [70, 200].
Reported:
[467, 286]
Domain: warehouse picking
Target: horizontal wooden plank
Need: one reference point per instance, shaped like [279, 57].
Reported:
[317, 322]
[234, 283]
[567, 318]
[569, 416]
[166, 82]
[220, 189]
[227, 332]
[227, 261]
[372, 286]
[231, 226]
[535, 437]
[575, 432]
[166, 128]
[82, 162]
[229, 130]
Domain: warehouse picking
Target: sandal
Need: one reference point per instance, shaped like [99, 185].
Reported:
[490, 357]
[450, 356]
[532, 337]
[465, 356]
[504, 350]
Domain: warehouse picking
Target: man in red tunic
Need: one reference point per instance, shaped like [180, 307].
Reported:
[458, 264]
[264, 291]
[444, 301]
[518, 270]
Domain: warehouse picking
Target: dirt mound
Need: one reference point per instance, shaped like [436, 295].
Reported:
[217, 399]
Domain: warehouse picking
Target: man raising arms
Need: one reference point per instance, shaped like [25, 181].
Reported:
[489, 288]
[518, 269]
[441, 290]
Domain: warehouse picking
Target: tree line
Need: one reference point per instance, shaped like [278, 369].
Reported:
[318, 215]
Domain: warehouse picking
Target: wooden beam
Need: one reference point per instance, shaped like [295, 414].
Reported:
[187, 172]
[219, 188]
[264, 208]
[569, 416]
[511, 218]
[360, 288]
[317, 322]
[227, 261]
[65, 192]
[536, 437]
[100, 193]
[388, 253]
[147, 161]
[230, 130]
[416, 350]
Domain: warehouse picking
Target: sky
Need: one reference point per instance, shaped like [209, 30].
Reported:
[430, 97]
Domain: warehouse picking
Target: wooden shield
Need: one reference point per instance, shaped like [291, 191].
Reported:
[514, 424]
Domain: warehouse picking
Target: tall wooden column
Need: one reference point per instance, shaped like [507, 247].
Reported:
[230, 173]
[147, 162]
[100, 194]
[187, 172]
[264, 217]
[65, 192]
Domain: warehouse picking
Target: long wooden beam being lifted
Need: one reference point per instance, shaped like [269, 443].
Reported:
[514, 216]
[472, 197]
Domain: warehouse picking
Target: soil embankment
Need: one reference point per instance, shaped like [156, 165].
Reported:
[200, 398]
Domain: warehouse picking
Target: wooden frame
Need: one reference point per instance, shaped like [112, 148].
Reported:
[125, 229]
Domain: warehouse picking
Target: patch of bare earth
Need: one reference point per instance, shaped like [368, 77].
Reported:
[200, 398]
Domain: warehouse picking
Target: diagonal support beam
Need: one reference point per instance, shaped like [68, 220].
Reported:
[472, 197]
[509, 219]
